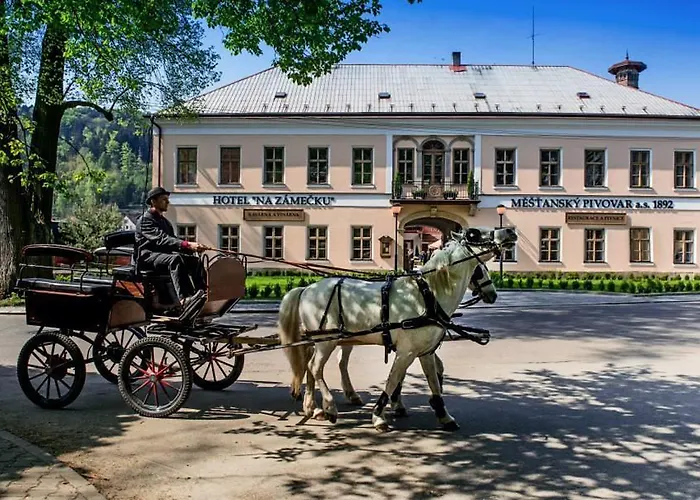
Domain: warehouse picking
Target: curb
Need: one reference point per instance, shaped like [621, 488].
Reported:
[76, 480]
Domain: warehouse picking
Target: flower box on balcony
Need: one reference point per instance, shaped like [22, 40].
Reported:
[419, 193]
[450, 194]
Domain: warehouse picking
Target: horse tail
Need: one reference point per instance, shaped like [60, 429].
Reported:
[290, 331]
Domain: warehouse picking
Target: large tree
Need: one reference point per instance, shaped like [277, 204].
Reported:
[135, 54]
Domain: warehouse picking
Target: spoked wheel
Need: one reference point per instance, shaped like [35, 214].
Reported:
[109, 348]
[51, 370]
[212, 369]
[154, 377]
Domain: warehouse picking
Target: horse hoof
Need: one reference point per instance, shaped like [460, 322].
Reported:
[318, 414]
[332, 418]
[451, 426]
[383, 427]
[400, 413]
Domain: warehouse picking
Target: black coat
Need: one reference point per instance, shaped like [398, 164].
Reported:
[154, 233]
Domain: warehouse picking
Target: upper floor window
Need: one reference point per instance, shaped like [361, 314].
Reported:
[318, 243]
[640, 244]
[274, 165]
[505, 167]
[362, 165]
[274, 242]
[187, 232]
[594, 168]
[549, 244]
[550, 167]
[229, 238]
[683, 246]
[230, 166]
[460, 166]
[361, 242]
[640, 169]
[404, 163]
[595, 245]
[186, 165]
[318, 166]
[683, 162]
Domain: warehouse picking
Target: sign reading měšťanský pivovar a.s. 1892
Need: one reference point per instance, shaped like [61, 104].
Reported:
[592, 202]
[299, 200]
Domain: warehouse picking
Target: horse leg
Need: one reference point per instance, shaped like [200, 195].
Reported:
[310, 391]
[430, 369]
[322, 353]
[348, 389]
[440, 371]
[397, 407]
[396, 375]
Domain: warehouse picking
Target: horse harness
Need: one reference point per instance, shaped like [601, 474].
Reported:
[434, 314]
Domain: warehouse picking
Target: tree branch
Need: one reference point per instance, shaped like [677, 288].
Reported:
[74, 104]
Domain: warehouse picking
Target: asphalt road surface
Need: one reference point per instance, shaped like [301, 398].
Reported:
[571, 399]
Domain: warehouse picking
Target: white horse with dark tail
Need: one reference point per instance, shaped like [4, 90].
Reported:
[415, 320]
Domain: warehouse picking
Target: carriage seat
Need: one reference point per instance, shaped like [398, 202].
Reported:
[128, 273]
[93, 287]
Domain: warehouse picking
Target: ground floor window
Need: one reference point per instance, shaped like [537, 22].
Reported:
[229, 238]
[640, 244]
[187, 232]
[595, 245]
[549, 244]
[683, 246]
[318, 243]
[361, 243]
[508, 255]
[273, 242]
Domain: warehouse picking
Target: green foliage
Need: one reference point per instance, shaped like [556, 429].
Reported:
[88, 223]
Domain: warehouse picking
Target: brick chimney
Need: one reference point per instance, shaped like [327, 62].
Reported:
[627, 72]
[457, 62]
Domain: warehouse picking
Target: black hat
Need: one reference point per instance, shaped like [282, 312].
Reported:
[155, 192]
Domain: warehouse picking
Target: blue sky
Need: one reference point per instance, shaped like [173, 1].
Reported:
[589, 35]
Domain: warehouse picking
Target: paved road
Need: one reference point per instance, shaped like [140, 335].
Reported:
[581, 401]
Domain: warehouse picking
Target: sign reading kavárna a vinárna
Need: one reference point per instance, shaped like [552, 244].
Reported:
[586, 202]
[298, 200]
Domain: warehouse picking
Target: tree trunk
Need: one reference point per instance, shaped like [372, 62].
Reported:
[14, 224]
[48, 112]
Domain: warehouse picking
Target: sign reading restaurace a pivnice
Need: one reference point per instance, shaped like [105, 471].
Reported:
[590, 202]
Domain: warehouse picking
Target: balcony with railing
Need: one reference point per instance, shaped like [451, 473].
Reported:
[431, 192]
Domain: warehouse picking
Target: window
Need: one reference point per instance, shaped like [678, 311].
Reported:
[640, 244]
[405, 164]
[187, 232]
[273, 242]
[683, 162]
[549, 245]
[505, 167]
[640, 169]
[508, 255]
[229, 238]
[361, 243]
[362, 165]
[318, 243]
[460, 166]
[230, 166]
[550, 167]
[683, 246]
[274, 165]
[594, 168]
[595, 245]
[186, 165]
[318, 166]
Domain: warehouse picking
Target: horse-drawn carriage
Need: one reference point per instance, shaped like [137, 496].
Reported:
[121, 312]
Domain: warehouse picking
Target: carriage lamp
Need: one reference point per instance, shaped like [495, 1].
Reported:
[501, 209]
[396, 210]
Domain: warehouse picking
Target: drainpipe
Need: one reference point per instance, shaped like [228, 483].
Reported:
[160, 146]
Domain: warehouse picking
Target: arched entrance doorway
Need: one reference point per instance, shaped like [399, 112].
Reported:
[433, 163]
[422, 235]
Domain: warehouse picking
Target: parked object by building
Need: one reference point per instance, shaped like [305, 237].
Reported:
[595, 174]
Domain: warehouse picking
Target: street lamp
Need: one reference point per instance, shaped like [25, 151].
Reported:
[396, 210]
[501, 209]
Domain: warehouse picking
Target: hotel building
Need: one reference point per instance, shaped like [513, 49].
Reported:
[595, 174]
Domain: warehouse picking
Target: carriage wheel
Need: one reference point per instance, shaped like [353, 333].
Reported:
[51, 370]
[212, 369]
[154, 377]
[109, 348]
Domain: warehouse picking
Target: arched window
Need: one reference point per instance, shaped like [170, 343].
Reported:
[433, 162]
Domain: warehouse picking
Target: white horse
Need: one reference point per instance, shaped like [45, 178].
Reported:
[318, 307]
